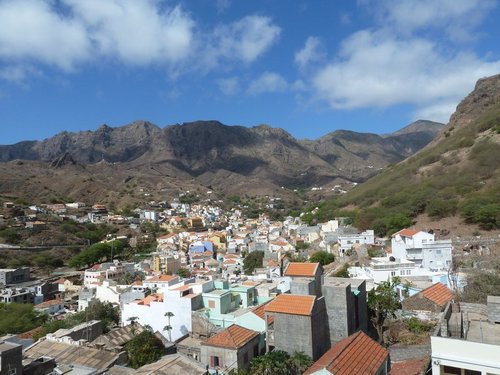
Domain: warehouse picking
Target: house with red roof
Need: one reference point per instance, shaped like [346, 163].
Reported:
[422, 249]
[434, 299]
[231, 349]
[297, 323]
[357, 354]
[305, 278]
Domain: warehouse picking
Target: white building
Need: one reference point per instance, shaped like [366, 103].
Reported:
[422, 248]
[180, 300]
[349, 241]
[106, 271]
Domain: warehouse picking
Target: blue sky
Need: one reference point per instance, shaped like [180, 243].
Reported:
[310, 67]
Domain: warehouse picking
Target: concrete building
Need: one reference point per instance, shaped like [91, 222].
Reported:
[17, 295]
[346, 305]
[297, 323]
[467, 340]
[231, 349]
[14, 275]
[305, 278]
[11, 358]
[356, 354]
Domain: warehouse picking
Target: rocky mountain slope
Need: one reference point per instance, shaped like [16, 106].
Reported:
[457, 174]
[200, 155]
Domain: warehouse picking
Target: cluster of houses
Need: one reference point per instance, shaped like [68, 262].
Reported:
[211, 325]
[213, 319]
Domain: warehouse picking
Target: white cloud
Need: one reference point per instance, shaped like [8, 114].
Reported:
[244, 40]
[18, 73]
[457, 18]
[376, 69]
[68, 34]
[229, 86]
[136, 32]
[268, 82]
[311, 52]
[32, 30]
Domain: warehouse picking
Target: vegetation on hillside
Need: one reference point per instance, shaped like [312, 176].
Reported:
[458, 175]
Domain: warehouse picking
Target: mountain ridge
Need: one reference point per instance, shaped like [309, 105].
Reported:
[255, 160]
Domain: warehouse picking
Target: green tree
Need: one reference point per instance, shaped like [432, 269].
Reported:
[17, 318]
[143, 349]
[183, 272]
[279, 362]
[343, 271]
[383, 302]
[322, 257]
[253, 261]
[103, 251]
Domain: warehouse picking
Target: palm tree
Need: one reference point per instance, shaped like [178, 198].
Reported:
[301, 362]
[168, 327]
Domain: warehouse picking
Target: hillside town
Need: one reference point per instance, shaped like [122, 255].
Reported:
[221, 293]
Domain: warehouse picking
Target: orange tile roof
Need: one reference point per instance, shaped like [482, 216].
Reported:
[161, 278]
[291, 304]
[157, 297]
[233, 337]
[259, 311]
[357, 354]
[50, 303]
[438, 293]
[406, 232]
[415, 366]
[301, 269]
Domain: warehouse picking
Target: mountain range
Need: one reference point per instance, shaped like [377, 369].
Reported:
[111, 162]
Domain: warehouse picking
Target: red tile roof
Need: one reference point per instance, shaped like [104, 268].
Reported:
[415, 366]
[291, 304]
[161, 279]
[301, 269]
[406, 232]
[438, 293]
[157, 297]
[233, 337]
[357, 354]
[259, 311]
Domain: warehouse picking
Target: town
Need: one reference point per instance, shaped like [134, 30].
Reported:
[183, 287]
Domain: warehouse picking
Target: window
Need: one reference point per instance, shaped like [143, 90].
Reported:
[211, 304]
[438, 252]
[408, 272]
[393, 273]
[472, 372]
[215, 361]
[449, 370]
